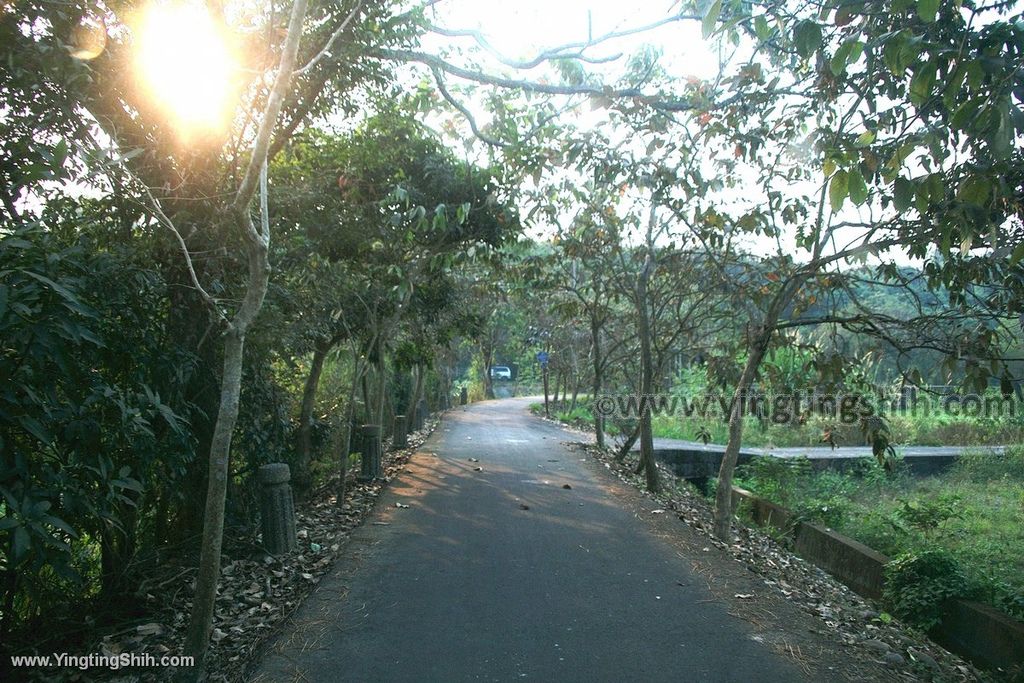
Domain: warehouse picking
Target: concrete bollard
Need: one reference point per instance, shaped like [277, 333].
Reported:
[371, 453]
[400, 438]
[277, 508]
[464, 396]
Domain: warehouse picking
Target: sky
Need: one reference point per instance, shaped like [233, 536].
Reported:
[525, 28]
[522, 29]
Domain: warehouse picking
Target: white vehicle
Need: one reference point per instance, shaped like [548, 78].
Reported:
[501, 372]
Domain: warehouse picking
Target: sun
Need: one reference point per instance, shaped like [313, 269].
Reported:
[184, 60]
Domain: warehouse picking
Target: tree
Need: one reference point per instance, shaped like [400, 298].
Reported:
[861, 102]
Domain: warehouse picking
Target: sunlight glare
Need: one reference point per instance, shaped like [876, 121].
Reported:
[185, 63]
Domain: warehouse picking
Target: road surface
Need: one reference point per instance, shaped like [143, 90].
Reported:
[528, 569]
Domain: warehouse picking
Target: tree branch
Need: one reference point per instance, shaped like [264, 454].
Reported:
[494, 142]
[435, 62]
[289, 55]
[567, 51]
[330, 42]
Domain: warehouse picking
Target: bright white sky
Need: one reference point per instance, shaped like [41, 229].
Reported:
[523, 28]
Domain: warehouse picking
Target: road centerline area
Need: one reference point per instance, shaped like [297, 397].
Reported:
[513, 562]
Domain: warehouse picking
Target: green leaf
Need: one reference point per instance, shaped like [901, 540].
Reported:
[902, 194]
[761, 28]
[927, 10]
[22, 542]
[857, 187]
[865, 139]
[63, 292]
[922, 83]
[844, 56]
[922, 198]
[58, 523]
[838, 189]
[33, 427]
[1017, 255]
[711, 18]
[806, 38]
[974, 190]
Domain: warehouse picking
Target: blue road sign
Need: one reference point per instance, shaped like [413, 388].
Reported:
[542, 357]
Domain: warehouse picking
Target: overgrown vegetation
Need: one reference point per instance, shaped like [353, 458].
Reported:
[960, 533]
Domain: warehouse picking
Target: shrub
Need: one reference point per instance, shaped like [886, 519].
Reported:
[918, 584]
[927, 514]
[773, 478]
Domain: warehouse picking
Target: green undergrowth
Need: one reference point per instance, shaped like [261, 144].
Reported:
[917, 430]
[957, 534]
[921, 430]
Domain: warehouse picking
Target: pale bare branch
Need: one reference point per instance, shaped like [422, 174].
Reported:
[329, 45]
[435, 62]
[494, 142]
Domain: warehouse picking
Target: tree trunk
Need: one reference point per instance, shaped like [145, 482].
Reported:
[358, 371]
[302, 476]
[627, 445]
[198, 637]
[758, 346]
[417, 393]
[646, 380]
[723, 495]
[367, 401]
[9, 591]
[487, 351]
[595, 342]
[547, 409]
[382, 388]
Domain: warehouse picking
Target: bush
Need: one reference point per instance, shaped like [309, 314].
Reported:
[580, 416]
[777, 479]
[918, 585]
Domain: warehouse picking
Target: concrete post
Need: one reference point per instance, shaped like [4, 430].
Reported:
[464, 396]
[400, 438]
[371, 455]
[277, 508]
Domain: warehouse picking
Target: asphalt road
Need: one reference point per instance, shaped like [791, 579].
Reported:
[504, 575]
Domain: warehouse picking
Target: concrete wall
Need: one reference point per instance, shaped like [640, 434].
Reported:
[853, 563]
[989, 636]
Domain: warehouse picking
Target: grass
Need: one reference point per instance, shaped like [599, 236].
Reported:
[974, 513]
[935, 430]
